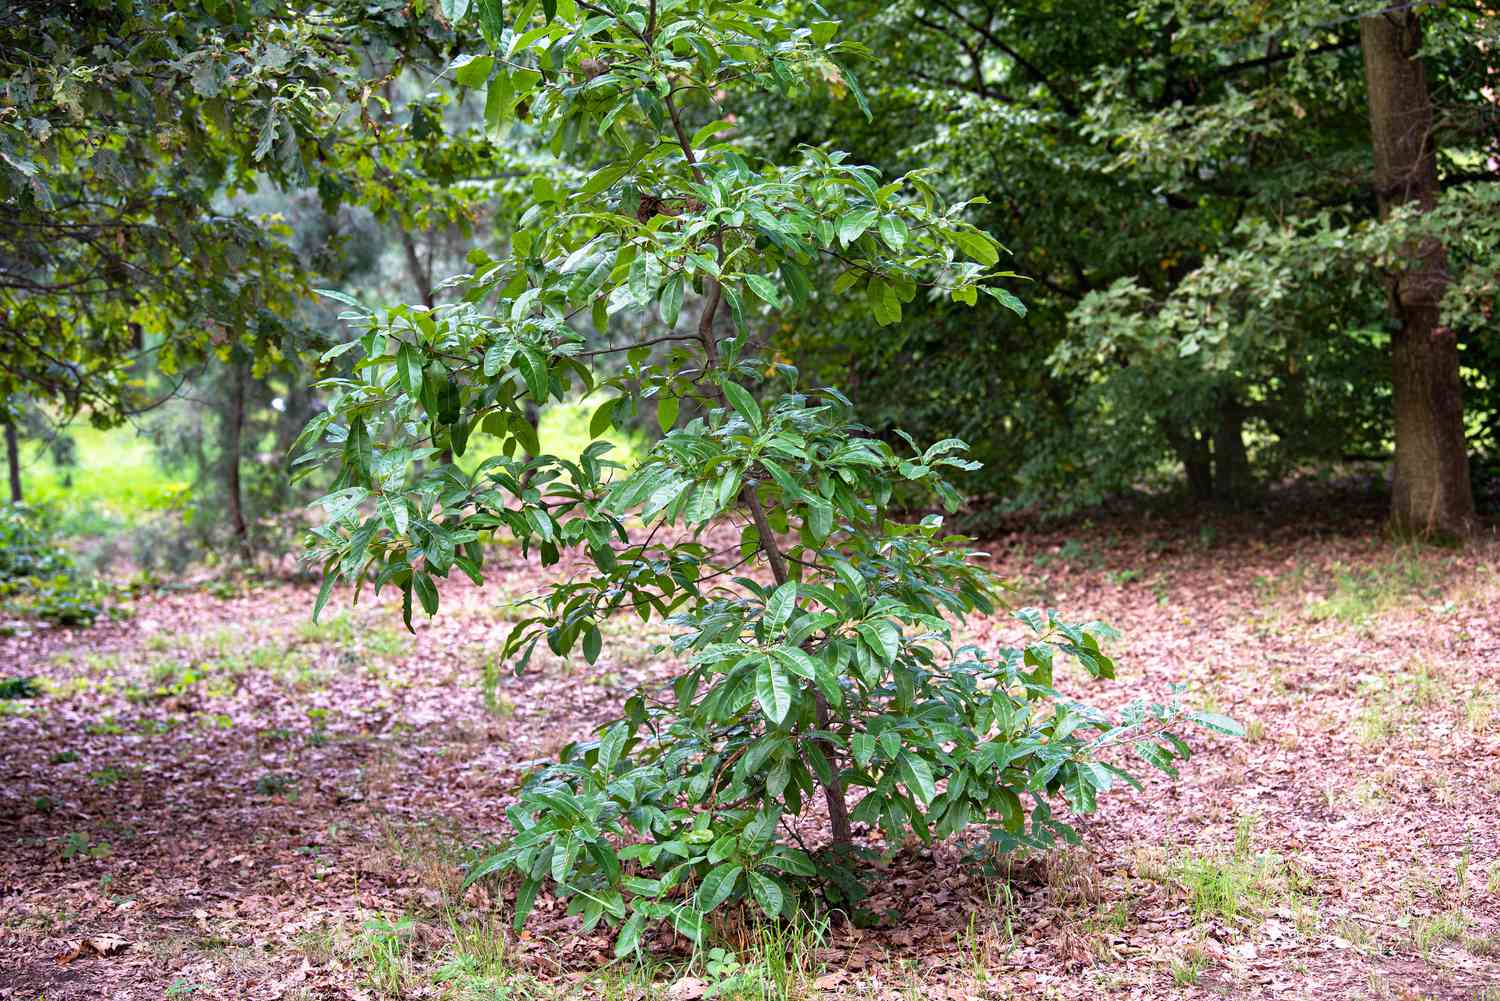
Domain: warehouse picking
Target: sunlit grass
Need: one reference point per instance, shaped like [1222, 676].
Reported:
[564, 432]
[115, 476]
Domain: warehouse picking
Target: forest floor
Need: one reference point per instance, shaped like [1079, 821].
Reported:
[219, 799]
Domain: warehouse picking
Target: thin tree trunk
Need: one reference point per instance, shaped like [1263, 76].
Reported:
[13, 457]
[1231, 480]
[421, 277]
[833, 792]
[1431, 495]
[1197, 461]
[234, 430]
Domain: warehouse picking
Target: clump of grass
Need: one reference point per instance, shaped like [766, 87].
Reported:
[383, 950]
[1233, 885]
[1437, 929]
[1358, 594]
[1190, 966]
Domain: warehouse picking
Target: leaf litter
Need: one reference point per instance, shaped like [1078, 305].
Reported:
[219, 799]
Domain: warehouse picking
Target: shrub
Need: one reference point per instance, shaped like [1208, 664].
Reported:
[841, 672]
[38, 579]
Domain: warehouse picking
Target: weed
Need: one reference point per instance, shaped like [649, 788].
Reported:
[1481, 709]
[1353, 932]
[106, 777]
[1220, 886]
[1483, 945]
[1230, 886]
[1187, 969]
[1437, 929]
[1358, 593]
[787, 952]
[78, 845]
[386, 641]
[383, 949]
[1427, 684]
[275, 784]
[20, 688]
[1373, 727]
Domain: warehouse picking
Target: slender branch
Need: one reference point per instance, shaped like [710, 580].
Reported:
[636, 344]
[767, 537]
[1031, 68]
[1281, 57]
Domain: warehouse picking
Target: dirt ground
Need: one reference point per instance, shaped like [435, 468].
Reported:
[217, 799]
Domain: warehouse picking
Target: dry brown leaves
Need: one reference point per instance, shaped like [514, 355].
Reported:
[214, 800]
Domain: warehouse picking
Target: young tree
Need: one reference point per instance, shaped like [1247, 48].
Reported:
[842, 671]
[1432, 495]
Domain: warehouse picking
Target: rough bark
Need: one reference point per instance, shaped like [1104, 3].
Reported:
[1431, 495]
[234, 431]
[13, 460]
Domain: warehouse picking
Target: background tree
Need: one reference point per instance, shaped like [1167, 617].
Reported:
[1152, 145]
[1431, 492]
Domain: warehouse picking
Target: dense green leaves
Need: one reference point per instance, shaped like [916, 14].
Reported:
[840, 677]
[1190, 185]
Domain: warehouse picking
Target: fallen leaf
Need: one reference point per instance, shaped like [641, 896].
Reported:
[687, 989]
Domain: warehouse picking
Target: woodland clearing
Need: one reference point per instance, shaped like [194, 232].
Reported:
[218, 798]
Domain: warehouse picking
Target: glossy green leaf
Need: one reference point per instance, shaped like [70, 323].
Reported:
[774, 691]
[718, 886]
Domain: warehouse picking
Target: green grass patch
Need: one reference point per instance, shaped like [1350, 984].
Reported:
[564, 432]
[116, 478]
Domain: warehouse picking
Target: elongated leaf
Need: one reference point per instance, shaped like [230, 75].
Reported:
[409, 370]
[610, 747]
[1219, 723]
[671, 299]
[718, 886]
[780, 605]
[767, 893]
[765, 289]
[534, 370]
[740, 399]
[603, 418]
[630, 935]
[525, 900]
[666, 412]
[917, 777]
[773, 690]
[473, 72]
[819, 518]
[882, 637]
[426, 592]
[863, 746]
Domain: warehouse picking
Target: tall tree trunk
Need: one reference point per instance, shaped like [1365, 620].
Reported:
[13, 458]
[421, 275]
[1431, 495]
[1197, 461]
[234, 430]
[1232, 480]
